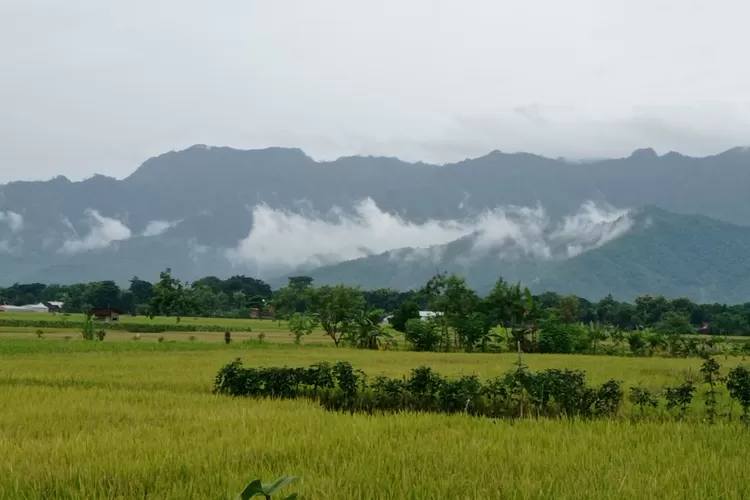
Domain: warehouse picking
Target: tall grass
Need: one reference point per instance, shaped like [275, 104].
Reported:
[142, 423]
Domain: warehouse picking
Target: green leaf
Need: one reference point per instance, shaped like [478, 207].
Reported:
[271, 488]
[253, 489]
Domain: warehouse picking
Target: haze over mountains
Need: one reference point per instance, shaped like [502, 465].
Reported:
[643, 224]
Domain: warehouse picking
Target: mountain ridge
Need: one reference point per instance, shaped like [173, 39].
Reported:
[205, 201]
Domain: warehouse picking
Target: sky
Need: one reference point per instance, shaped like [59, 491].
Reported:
[88, 86]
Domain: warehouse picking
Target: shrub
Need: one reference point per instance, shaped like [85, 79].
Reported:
[608, 398]
[562, 338]
[342, 387]
[87, 330]
[643, 398]
[738, 384]
[680, 396]
[423, 335]
[637, 342]
[710, 372]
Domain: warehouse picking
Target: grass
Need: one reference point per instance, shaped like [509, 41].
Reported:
[137, 420]
[78, 318]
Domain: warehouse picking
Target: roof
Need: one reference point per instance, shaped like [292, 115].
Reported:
[104, 310]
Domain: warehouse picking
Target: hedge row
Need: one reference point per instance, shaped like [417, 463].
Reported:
[128, 327]
[519, 393]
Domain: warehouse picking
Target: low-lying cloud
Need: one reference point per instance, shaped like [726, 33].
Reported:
[286, 239]
[12, 219]
[103, 231]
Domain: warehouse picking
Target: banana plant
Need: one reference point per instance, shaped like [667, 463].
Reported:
[256, 488]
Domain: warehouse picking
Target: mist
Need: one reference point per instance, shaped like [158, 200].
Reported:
[103, 232]
[282, 239]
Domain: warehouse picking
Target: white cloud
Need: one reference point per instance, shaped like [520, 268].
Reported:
[103, 231]
[529, 231]
[12, 219]
[284, 239]
[157, 227]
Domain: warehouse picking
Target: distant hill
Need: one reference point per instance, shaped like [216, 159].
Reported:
[186, 209]
[663, 253]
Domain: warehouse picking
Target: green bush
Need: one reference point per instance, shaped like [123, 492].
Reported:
[562, 338]
[422, 334]
[520, 393]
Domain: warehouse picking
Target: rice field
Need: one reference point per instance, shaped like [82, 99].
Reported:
[123, 420]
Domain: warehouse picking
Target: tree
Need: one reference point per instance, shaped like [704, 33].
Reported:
[337, 309]
[674, 323]
[142, 290]
[169, 297]
[423, 335]
[301, 325]
[102, 294]
[367, 332]
[569, 307]
[406, 311]
[300, 282]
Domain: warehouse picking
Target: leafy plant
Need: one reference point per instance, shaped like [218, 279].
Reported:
[256, 488]
[100, 334]
[87, 330]
[643, 398]
[39, 334]
[680, 396]
[738, 383]
[710, 371]
[300, 325]
[423, 335]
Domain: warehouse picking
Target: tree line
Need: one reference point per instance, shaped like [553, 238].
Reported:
[461, 313]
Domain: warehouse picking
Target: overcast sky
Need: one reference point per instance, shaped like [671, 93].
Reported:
[99, 86]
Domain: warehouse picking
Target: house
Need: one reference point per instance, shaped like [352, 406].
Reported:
[423, 315]
[260, 313]
[54, 306]
[29, 308]
[105, 314]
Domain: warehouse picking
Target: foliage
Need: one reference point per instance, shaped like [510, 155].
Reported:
[406, 311]
[642, 398]
[738, 384]
[256, 488]
[680, 396]
[559, 337]
[367, 333]
[336, 308]
[520, 393]
[423, 335]
[673, 322]
[87, 330]
[711, 376]
[300, 325]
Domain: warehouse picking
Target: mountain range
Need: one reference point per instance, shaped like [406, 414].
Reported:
[646, 223]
